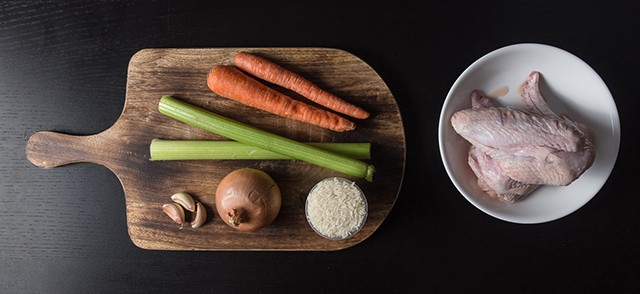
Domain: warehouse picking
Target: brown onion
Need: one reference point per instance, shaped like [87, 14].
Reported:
[248, 199]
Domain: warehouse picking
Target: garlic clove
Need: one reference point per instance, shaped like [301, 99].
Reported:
[175, 212]
[200, 217]
[185, 200]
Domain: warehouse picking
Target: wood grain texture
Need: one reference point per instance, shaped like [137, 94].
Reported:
[124, 148]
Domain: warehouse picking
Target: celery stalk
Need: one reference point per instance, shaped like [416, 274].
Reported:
[246, 134]
[223, 150]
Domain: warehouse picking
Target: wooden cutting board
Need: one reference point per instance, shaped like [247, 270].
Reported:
[124, 148]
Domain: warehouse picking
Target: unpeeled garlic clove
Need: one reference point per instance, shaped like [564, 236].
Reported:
[185, 200]
[201, 216]
[174, 211]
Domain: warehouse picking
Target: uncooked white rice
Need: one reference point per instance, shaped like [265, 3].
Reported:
[336, 208]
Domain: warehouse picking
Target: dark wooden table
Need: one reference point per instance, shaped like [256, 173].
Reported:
[63, 67]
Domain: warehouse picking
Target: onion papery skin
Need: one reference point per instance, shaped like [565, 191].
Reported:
[248, 199]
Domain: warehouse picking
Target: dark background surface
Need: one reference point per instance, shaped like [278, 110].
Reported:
[63, 68]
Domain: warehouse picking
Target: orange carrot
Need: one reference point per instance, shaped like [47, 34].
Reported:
[273, 73]
[231, 83]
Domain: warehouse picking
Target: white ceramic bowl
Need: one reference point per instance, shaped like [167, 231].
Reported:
[571, 87]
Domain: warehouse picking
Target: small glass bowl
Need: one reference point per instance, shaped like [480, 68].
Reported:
[353, 232]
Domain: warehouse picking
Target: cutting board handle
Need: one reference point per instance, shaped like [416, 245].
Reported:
[47, 149]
